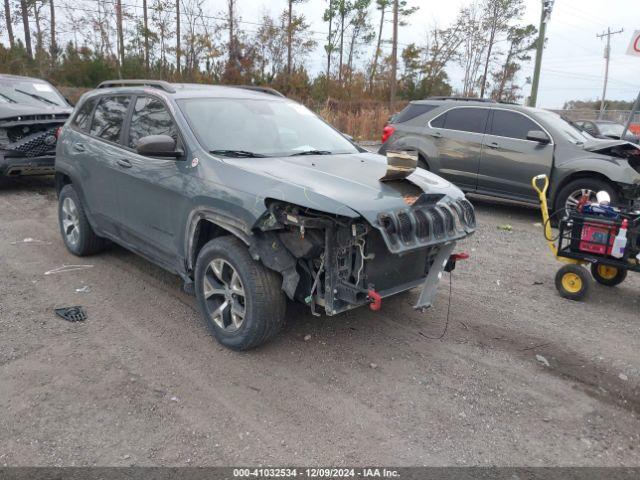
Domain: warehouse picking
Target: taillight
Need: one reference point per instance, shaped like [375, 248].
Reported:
[58, 131]
[387, 132]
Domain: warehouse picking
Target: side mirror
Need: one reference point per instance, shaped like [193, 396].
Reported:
[158, 146]
[538, 136]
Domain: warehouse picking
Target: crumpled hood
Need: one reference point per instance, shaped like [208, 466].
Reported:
[600, 144]
[351, 179]
[12, 110]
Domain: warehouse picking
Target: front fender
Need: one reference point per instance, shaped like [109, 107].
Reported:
[617, 170]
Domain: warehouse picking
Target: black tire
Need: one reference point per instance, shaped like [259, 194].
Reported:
[586, 183]
[87, 243]
[264, 301]
[573, 282]
[422, 162]
[611, 276]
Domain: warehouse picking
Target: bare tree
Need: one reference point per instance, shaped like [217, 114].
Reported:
[24, 10]
[178, 36]
[145, 19]
[53, 48]
[394, 58]
[383, 6]
[120, 33]
[9, 22]
[498, 15]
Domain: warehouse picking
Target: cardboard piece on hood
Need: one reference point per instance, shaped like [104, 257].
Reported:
[400, 164]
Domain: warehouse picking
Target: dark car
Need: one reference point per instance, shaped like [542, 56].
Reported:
[496, 149]
[251, 198]
[606, 129]
[31, 111]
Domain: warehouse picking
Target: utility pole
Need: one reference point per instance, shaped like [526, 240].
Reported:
[394, 59]
[607, 55]
[547, 7]
[178, 36]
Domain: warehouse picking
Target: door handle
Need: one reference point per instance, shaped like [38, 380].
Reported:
[435, 134]
[124, 163]
[78, 147]
[492, 145]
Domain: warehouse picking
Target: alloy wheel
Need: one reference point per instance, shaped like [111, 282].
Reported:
[70, 222]
[224, 295]
[574, 198]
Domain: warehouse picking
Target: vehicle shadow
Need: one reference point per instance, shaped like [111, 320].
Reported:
[36, 183]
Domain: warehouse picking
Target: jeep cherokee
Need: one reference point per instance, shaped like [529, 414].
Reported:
[250, 198]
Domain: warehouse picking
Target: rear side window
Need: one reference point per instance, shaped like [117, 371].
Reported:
[82, 120]
[109, 117]
[150, 117]
[465, 119]
[412, 111]
[511, 125]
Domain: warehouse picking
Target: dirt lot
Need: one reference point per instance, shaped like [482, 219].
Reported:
[141, 381]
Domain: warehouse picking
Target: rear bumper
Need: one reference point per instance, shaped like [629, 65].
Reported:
[11, 166]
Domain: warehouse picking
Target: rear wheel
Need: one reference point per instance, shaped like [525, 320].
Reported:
[77, 234]
[608, 275]
[241, 300]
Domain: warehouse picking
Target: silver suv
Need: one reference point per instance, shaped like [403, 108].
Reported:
[495, 149]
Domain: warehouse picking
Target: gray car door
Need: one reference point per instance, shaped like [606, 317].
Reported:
[509, 161]
[101, 154]
[458, 134]
[154, 190]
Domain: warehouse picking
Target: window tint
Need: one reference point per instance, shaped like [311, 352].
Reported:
[83, 117]
[467, 119]
[439, 121]
[150, 117]
[109, 117]
[412, 111]
[512, 125]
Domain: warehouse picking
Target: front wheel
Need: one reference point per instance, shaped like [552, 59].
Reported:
[572, 282]
[608, 275]
[241, 300]
[569, 196]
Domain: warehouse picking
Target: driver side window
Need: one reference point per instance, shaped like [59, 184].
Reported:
[150, 117]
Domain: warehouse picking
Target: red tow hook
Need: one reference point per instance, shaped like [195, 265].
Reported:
[451, 263]
[375, 300]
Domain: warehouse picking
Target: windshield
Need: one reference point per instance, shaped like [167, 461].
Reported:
[30, 92]
[564, 128]
[263, 127]
[611, 129]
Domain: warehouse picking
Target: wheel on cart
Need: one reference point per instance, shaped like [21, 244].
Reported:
[572, 281]
[608, 275]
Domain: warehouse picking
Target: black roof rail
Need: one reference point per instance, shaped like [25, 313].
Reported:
[161, 84]
[258, 88]
[463, 99]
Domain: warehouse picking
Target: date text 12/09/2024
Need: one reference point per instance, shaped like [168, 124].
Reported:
[372, 472]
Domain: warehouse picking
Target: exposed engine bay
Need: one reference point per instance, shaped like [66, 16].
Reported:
[336, 263]
[29, 137]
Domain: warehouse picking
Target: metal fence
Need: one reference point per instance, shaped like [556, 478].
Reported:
[620, 116]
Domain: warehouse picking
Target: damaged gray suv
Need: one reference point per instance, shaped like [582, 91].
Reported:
[251, 198]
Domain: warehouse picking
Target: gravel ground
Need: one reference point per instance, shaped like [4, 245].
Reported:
[521, 377]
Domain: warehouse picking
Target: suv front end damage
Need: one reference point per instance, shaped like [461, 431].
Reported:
[28, 144]
[337, 263]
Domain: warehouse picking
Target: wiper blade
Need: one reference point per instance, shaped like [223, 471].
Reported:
[311, 152]
[9, 99]
[37, 97]
[237, 153]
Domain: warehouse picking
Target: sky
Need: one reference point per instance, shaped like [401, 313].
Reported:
[573, 61]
